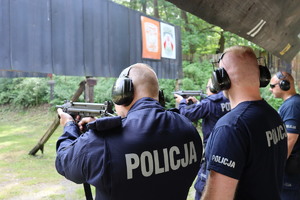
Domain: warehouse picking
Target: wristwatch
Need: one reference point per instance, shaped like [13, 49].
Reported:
[69, 123]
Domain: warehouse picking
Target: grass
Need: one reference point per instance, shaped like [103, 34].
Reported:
[26, 177]
[30, 177]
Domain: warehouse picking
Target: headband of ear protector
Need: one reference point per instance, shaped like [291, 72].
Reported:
[123, 91]
[283, 84]
[221, 81]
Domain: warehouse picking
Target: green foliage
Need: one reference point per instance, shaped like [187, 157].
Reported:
[168, 86]
[7, 92]
[233, 39]
[201, 35]
[24, 92]
[103, 89]
[32, 92]
[268, 96]
[65, 87]
[188, 84]
[196, 75]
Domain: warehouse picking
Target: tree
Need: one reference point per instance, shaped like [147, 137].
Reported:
[155, 6]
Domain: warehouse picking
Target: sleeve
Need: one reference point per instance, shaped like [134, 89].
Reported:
[196, 111]
[70, 134]
[75, 156]
[68, 159]
[291, 119]
[291, 126]
[227, 151]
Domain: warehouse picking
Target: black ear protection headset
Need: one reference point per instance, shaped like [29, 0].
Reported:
[123, 90]
[221, 81]
[283, 84]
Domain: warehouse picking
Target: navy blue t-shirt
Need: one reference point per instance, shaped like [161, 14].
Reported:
[210, 109]
[250, 144]
[151, 154]
[290, 114]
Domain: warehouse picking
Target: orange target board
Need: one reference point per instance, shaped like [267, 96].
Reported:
[151, 38]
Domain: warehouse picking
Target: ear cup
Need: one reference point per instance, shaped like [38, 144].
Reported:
[265, 76]
[283, 84]
[161, 98]
[122, 91]
[220, 80]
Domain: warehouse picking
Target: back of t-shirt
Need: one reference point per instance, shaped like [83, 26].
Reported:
[250, 144]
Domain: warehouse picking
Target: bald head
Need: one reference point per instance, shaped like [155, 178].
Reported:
[287, 84]
[242, 68]
[241, 65]
[284, 76]
[145, 84]
[144, 81]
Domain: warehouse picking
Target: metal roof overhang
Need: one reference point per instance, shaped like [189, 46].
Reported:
[272, 24]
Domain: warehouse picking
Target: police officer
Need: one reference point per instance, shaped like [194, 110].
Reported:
[282, 86]
[144, 153]
[210, 110]
[247, 148]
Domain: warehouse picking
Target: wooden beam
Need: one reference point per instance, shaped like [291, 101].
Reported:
[55, 124]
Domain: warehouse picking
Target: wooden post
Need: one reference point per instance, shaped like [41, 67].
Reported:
[55, 124]
[51, 84]
[89, 89]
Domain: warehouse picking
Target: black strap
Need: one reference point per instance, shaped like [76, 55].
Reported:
[88, 191]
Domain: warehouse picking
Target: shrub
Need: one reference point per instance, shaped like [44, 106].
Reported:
[102, 91]
[7, 91]
[24, 92]
[65, 87]
[196, 75]
[168, 87]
